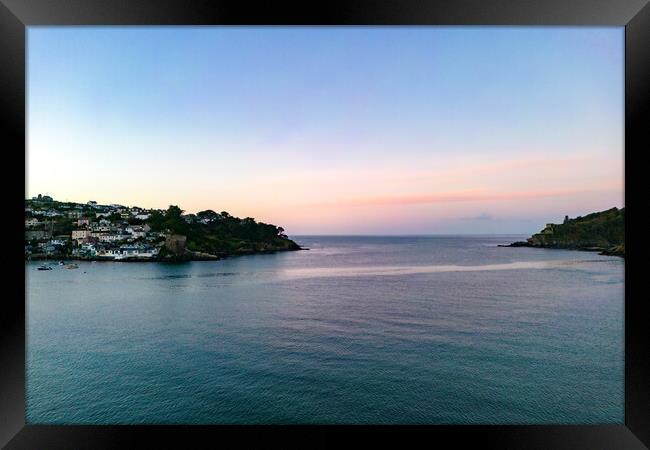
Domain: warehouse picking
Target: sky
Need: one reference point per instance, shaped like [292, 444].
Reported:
[332, 130]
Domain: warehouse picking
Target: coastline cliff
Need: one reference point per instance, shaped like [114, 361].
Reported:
[603, 232]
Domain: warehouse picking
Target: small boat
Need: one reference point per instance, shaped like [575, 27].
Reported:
[44, 267]
[61, 263]
[72, 266]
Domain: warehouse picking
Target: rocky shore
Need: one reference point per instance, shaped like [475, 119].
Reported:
[185, 256]
[602, 232]
[616, 250]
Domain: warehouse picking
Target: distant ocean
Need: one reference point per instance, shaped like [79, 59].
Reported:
[364, 330]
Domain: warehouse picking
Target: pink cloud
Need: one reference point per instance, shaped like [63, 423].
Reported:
[448, 197]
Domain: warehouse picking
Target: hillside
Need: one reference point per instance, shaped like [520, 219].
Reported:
[600, 231]
[221, 234]
[63, 230]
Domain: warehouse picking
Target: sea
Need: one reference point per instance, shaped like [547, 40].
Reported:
[355, 330]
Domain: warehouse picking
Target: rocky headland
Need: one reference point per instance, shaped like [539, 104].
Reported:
[602, 232]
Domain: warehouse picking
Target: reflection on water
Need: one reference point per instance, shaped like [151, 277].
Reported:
[410, 270]
[355, 330]
[585, 265]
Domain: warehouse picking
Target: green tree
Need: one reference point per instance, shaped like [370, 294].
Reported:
[174, 221]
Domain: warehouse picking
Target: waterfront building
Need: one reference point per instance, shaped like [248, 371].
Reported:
[78, 235]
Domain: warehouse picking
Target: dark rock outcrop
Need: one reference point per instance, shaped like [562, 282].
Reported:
[175, 243]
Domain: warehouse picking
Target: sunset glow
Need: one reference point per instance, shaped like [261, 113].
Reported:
[368, 130]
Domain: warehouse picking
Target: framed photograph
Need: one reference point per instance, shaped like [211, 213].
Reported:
[374, 218]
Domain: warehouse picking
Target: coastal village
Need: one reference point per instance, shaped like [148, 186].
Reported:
[92, 231]
[88, 231]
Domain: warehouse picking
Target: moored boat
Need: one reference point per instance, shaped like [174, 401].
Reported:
[44, 267]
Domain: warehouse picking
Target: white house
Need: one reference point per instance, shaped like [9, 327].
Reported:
[100, 228]
[108, 253]
[129, 251]
[109, 237]
[136, 231]
[89, 248]
[113, 237]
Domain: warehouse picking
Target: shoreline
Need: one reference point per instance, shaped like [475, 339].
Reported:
[612, 251]
[176, 259]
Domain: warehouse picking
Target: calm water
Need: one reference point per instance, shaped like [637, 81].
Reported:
[355, 330]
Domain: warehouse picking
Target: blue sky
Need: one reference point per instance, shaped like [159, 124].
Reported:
[332, 130]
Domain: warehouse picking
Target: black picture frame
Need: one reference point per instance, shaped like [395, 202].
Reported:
[16, 15]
